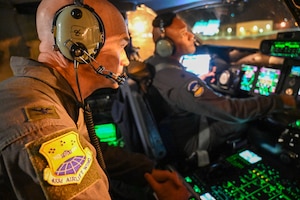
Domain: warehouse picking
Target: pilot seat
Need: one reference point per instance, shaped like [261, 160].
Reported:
[135, 115]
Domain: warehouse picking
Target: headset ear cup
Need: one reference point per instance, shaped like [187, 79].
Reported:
[164, 47]
[78, 32]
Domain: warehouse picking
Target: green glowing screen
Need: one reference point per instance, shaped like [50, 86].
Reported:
[107, 133]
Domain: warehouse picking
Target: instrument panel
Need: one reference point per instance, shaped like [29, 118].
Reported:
[260, 80]
[268, 80]
[242, 175]
[253, 79]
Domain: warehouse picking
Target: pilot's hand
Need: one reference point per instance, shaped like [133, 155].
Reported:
[167, 185]
[288, 100]
[210, 76]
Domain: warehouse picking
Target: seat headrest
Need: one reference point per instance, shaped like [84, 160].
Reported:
[140, 72]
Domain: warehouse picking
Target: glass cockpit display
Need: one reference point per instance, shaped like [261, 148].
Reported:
[248, 77]
[198, 64]
[261, 80]
[295, 71]
[267, 81]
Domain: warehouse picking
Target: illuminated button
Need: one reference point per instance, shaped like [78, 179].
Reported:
[289, 91]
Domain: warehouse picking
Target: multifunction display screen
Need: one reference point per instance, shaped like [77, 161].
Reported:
[248, 78]
[267, 81]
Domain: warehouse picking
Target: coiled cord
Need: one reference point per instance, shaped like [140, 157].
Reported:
[93, 137]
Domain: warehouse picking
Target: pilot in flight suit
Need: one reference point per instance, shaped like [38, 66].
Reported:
[197, 118]
[45, 149]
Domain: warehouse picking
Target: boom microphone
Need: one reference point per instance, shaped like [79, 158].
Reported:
[108, 74]
[120, 79]
[79, 53]
[197, 40]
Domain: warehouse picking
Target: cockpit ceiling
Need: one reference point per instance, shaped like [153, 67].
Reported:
[175, 5]
[159, 6]
[127, 5]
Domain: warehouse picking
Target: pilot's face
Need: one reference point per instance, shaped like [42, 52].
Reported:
[124, 61]
[113, 57]
[117, 37]
[184, 40]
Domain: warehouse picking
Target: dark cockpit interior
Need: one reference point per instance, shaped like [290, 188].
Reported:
[265, 164]
[255, 45]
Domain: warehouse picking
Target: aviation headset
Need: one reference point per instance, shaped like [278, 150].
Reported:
[164, 46]
[78, 32]
[79, 35]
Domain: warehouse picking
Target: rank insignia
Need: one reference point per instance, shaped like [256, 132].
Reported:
[195, 88]
[67, 161]
[41, 112]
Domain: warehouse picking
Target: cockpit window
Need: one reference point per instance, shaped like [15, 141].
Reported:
[241, 22]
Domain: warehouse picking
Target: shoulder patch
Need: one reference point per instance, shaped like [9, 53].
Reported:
[195, 88]
[68, 161]
[64, 164]
[41, 112]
